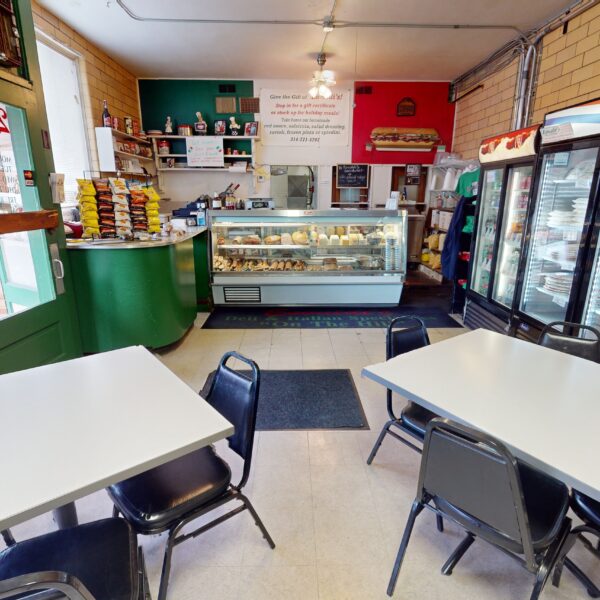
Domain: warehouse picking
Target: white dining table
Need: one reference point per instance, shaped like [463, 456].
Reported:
[543, 404]
[72, 428]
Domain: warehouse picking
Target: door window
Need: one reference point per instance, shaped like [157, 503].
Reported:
[25, 274]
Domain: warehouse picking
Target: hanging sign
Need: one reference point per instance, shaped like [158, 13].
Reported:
[293, 118]
[204, 151]
[578, 121]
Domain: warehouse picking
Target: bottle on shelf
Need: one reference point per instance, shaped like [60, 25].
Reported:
[106, 119]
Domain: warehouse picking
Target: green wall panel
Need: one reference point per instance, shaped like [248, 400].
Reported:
[181, 99]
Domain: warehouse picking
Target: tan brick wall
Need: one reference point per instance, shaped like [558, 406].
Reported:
[569, 73]
[570, 65]
[101, 77]
[485, 112]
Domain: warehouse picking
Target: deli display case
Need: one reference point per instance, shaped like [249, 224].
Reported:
[308, 257]
[507, 171]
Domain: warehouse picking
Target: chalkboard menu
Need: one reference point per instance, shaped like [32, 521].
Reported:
[352, 176]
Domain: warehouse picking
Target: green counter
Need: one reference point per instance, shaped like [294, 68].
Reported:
[135, 293]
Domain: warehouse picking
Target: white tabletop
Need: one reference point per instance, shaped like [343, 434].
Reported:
[74, 427]
[543, 404]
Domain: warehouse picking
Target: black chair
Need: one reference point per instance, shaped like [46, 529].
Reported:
[413, 418]
[568, 339]
[588, 510]
[473, 480]
[168, 497]
[95, 561]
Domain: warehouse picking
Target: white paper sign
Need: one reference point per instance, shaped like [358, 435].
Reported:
[293, 118]
[204, 151]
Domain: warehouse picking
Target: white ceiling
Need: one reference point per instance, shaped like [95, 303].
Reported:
[288, 51]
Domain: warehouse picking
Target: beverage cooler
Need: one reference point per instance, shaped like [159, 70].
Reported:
[507, 162]
[559, 276]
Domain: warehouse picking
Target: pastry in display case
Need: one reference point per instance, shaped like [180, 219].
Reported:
[294, 257]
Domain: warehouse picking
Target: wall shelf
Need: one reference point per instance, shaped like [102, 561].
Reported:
[106, 138]
[183, 137]
[126, 136]
[137, 156]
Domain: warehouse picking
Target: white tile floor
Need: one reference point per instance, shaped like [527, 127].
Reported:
[337, 522]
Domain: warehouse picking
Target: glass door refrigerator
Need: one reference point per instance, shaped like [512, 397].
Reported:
[558, 272]
[507, 163]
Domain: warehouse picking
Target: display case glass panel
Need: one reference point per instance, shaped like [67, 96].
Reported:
[308, 243]
[558, 223]
[511, 237]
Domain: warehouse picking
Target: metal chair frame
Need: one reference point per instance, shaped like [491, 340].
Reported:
[567, 326]
[577, 534]
[232, 493]
[52, 585]
[394, 420]
[541, 563]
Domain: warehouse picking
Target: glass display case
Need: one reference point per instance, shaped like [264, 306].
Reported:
[306, 257]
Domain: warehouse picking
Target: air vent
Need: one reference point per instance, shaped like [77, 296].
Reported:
[242, 295]
[364, 89]
[226, 88]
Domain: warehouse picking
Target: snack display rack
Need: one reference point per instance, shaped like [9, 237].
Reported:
[296, 257]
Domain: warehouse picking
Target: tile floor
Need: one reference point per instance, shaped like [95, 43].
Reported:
[337, 522]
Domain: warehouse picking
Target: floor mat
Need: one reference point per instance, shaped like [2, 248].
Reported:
[322, 318]
[307, 399]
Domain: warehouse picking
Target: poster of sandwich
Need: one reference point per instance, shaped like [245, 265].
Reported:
[407, 139]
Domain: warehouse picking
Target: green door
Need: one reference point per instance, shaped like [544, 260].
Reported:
[37, 313]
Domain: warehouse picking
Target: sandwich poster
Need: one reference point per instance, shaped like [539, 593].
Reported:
[293, 118]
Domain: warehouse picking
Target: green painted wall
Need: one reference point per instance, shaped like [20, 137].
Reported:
[182, 98]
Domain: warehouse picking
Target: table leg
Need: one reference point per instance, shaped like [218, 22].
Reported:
[66, 516]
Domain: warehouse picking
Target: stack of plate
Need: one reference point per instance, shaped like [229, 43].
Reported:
[559, 283]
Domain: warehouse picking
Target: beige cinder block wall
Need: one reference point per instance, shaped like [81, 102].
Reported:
[102, 78]
[569, 73]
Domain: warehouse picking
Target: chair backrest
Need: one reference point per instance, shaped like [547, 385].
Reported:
[235, 396]
[478, 476]
[568, 338]
[411, 336]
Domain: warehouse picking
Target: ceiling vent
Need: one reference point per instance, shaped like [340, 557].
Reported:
[364, 89]
[226, 88]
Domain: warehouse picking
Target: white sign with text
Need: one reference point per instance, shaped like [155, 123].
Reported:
[204, 151]
[293, 118]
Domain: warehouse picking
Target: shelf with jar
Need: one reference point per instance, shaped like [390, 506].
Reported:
[122, 152]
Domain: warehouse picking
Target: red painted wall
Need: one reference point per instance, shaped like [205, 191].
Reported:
[378, 109]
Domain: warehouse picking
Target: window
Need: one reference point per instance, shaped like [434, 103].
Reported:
[60, 78]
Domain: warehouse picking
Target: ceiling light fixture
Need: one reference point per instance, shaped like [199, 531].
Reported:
[322, 80]
[328, 25]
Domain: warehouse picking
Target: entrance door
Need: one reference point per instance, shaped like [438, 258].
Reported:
[37, 312]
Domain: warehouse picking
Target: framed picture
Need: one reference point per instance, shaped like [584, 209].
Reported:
[251, 128]
[220, 127]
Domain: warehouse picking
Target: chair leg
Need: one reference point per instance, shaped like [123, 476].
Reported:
[416, 509]
[440, 523]
[166, 568]
[457, 554]
[116, 512]
[257, 520]
[8, 538]
[589, 585]
[550, 560]
[383, 433]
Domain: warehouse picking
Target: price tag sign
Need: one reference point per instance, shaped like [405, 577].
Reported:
[556, 133]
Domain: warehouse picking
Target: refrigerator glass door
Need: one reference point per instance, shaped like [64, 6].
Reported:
[513, 223]
[591, 314]
[562, 200]
[486, 230]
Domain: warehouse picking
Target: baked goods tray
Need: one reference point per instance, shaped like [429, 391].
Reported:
[263, 246]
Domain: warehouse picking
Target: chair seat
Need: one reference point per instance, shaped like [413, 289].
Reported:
[585, 508]
[102, 555]
[415, 418]
[546, 502]
[153, 500]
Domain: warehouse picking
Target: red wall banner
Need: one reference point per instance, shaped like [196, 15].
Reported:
[377, 111]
